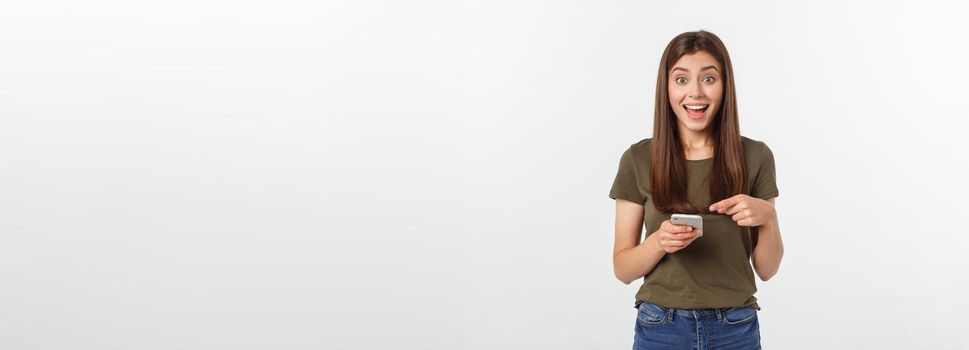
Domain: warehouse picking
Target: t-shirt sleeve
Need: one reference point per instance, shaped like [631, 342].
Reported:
[626, 184]
[765, 184]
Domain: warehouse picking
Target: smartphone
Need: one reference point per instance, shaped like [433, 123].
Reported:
[688, 219]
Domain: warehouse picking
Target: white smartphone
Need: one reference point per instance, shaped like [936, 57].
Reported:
[688, 219]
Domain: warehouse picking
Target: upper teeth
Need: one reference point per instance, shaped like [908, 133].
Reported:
[696, 107]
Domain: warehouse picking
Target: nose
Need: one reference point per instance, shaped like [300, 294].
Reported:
[696, 91]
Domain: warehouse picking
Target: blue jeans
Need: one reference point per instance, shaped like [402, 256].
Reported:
[660, 327]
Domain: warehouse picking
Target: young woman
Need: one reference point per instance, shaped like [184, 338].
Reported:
[698, 292]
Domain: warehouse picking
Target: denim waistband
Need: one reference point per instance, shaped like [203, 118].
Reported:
[694, 313]
[698, 313]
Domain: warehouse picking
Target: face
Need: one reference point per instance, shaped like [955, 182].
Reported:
[695, 90]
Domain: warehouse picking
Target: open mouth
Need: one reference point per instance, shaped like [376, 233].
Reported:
[696, 111]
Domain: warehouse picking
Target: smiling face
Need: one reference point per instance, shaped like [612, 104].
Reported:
[695, 90]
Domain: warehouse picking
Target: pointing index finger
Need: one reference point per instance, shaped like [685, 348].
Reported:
[726, 203]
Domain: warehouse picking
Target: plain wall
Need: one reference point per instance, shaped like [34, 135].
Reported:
[434, 175]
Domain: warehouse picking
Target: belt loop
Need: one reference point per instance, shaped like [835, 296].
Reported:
[669, 314]
[695, 316]
[719, 314]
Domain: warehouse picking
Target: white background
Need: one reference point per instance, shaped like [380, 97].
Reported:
[322, 175]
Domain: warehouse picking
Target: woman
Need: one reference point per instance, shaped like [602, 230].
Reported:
[697, 291]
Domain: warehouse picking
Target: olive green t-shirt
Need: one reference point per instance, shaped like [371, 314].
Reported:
[715, 270]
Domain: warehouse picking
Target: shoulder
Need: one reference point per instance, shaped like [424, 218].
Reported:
[640, 150]
[637, 156]
[755, 149]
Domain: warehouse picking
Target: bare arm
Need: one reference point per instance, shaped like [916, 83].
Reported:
[630, 258]
[769, 251]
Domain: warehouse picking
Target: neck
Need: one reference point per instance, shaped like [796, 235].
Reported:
[693, 140]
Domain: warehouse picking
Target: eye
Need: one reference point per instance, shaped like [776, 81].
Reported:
[709, 79]
[681, 80]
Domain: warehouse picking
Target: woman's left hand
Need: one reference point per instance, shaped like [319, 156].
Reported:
[746, 210]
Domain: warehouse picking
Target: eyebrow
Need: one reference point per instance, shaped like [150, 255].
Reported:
[687, 70]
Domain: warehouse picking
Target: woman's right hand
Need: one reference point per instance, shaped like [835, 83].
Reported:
[673, 237]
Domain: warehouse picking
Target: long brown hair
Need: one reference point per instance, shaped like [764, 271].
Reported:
[668, 165]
